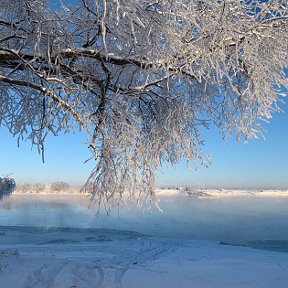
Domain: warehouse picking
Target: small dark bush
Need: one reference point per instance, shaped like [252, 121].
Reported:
[7, 186]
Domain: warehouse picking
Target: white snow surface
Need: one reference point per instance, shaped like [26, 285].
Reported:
[141, 263]
[207, 193]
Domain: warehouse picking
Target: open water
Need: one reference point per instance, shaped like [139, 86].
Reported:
[249, 221]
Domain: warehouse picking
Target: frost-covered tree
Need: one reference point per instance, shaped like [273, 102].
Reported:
[7, 186]
[140, 78]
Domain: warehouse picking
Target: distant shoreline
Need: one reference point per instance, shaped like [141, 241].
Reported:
[223, 193]
[197, 193]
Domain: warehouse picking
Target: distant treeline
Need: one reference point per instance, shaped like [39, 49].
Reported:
[55, 187]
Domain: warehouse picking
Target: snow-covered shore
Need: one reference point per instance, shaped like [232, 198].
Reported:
[197, 192]
[222, 193]
[153, 263]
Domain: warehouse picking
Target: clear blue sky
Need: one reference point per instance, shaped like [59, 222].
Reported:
[258, 164]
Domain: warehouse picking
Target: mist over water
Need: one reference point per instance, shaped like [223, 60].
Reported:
[232, 220]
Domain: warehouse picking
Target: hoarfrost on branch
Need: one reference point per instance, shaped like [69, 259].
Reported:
[141, 78]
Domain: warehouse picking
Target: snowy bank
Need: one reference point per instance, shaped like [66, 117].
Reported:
[141, 263]
[208, 193]
[202, 193]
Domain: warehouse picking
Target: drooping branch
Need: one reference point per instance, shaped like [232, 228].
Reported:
[45, 91]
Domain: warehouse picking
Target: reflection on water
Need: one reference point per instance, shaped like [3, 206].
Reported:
[232, 220]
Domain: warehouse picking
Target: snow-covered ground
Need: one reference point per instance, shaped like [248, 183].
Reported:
[196, 192]
[141, 263]
[221, 193]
